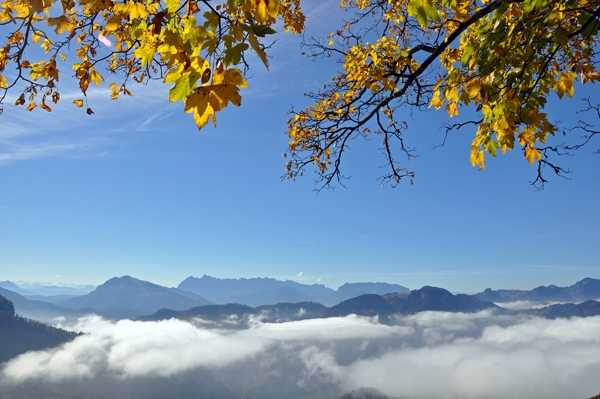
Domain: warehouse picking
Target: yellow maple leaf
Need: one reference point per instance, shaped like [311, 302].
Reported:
[113, 23]
[474, 88]
[36, 37]
[96, 77]
[205, 100]
[61, 24]
[198, 103]
[532, 153]
[261, 12]
[564, 84]
[452, 109]
[231, 76]
[136, 10]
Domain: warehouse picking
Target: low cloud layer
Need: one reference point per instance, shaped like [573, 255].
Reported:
[428, 355]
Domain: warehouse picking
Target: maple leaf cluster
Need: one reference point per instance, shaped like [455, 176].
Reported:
[194, 44]
[500, 57]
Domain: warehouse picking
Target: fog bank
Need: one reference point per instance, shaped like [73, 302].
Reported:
[427, 355]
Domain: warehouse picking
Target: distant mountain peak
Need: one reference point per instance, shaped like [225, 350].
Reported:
[258, 291]
[583, 290]
[9, 285]
[138, 296]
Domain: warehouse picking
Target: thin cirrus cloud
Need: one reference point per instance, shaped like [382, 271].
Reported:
[428, 355]
[70, 132]
[22, 152]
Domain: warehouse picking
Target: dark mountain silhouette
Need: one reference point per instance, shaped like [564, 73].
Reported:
[163, 314]
[434, 298]
[549, 293]
[427, 298]
[500, 295]
[237, 315]
[218, 312]
[351, 290]
[19, 335]
[264, 291]
[129, 297]
[583, 290]
[364, 305]
[282, 312]
[7, 309]
[567, 310]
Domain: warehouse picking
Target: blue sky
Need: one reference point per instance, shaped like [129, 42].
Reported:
[136, 189]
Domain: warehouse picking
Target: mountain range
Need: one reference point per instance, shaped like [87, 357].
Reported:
[274, 300]
[263, 291]
[383, 306]
[583, 290]
[128, 297]
[46, 290]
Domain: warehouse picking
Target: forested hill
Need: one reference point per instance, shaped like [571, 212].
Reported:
[19, 335]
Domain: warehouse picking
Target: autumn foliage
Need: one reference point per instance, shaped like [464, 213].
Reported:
[502, 58]
[193, 45]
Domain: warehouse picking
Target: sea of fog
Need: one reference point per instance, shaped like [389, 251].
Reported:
[427, 355]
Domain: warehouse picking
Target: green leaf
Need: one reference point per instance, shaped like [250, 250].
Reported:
[183, 86]
[262, 30]
[432, 12]
[561, 36]
[172, 6]
[591, 29]
[531, 5]
[491, 147]
[233, 55]
[500, 11]
[233, 4]
[467, 52]
[418, 9]
[147, 54]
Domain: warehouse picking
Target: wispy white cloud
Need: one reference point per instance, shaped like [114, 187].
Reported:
[23, 152]
[69, 132]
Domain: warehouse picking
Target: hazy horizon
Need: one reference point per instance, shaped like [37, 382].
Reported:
[40, 284]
